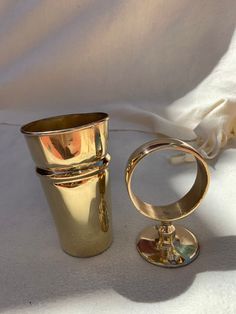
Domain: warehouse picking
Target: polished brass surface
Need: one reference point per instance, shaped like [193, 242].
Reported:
[166, 245]
[170, 248]
[70, 153]
[67, 141]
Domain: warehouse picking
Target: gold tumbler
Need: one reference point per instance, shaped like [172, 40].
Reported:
[70, 153]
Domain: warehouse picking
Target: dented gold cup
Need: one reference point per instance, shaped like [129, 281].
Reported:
[70, 153]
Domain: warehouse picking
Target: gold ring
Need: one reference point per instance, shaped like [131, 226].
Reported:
[167, 245]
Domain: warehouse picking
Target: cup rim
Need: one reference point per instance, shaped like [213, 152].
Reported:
[30, 128]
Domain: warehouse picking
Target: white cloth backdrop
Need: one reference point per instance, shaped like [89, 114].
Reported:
[162, 66]
[79, 54]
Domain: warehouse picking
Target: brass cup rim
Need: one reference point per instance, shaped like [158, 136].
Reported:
[63, 123]
[185, 205]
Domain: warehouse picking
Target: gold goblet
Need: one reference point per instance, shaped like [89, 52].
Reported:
[168, 245]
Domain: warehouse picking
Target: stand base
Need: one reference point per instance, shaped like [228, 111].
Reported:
[180, 251]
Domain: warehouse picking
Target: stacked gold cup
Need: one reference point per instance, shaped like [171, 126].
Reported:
[70, 153]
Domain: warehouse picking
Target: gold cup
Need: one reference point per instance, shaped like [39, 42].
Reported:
[70, 153]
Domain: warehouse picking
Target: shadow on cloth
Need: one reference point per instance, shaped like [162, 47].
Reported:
[51, 274]
[152, 284]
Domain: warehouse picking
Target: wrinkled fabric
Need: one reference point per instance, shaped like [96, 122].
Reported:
[210, 109]
[157, 66]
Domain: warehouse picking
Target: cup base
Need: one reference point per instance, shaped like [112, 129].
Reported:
[180, 252]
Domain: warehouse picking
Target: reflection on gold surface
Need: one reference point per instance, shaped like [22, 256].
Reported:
[103, 212]
[71, 159]
[62, 147]
[84, 140]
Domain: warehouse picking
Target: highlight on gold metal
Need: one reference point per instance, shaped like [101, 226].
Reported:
[71, 158]
[165, 244]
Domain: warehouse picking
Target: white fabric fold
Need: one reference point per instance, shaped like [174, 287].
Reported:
[130, 117]
[75, 57]
[210, 127]
[206, 115]
[216, 128]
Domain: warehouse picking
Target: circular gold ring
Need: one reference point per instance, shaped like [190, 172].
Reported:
[170, 212]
